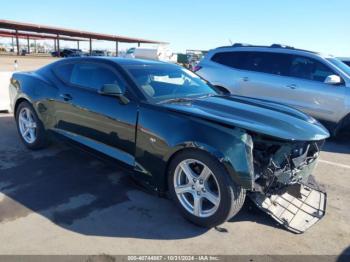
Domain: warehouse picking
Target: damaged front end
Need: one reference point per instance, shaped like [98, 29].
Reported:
[284, 187]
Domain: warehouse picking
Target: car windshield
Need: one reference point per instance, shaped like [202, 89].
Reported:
[168, 82]
[342, 66]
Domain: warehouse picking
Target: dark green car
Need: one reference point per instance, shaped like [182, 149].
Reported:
[178, 134]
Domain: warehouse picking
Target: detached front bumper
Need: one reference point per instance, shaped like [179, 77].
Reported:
[296, 207]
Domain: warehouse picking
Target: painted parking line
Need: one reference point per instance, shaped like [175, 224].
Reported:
[334, 164]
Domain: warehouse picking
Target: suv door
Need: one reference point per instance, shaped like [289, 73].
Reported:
[308, 92]
[97, 121]
[262, 75]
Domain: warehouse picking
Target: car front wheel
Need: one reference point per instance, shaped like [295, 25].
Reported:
[202, 189]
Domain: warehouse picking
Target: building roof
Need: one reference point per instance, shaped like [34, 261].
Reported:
[6, 24]
[24, 35]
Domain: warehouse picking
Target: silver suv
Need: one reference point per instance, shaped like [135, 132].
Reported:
[311, 82]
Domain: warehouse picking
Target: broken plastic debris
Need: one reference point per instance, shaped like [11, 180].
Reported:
[296, 212]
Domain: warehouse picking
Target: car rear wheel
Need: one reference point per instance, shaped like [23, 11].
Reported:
[202, 189]
[30, 128]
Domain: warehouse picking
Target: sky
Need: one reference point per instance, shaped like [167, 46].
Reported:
[322, 25]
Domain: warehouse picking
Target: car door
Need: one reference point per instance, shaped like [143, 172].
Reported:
[262, 75]
[308, 91]
[97, 121]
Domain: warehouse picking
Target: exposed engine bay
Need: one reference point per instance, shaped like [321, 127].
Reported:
[278, 164]
[284, 187]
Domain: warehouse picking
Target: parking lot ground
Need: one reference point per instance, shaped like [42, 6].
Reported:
[25, 63]
[63, 201]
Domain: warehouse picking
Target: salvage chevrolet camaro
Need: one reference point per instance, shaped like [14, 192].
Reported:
[179, 135]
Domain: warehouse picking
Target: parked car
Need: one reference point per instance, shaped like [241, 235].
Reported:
[67, 53]
[71, 53]
[345, 60]
[175, 131]
[4, 91]
[98, 53]
[317, 84]
[162, 53]
[54, 54]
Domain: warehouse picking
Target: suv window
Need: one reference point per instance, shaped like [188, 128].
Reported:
[231, 59]
[225, 58]
[277, 63]
[308, 68]
[94, 76]
[266, 62]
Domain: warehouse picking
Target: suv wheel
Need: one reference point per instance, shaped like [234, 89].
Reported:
[29, 127]
[202, 189]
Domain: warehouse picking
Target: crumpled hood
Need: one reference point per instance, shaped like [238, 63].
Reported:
[256, 115]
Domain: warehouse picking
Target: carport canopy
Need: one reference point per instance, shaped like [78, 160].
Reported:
[66, 34]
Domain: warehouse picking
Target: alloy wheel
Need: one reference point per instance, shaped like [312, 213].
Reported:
[196, 188]
[27, 125]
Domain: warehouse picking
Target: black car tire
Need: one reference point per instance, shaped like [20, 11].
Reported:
[41, 140]
[232, 196]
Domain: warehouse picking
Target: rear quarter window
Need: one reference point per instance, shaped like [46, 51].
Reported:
[64, 72]
[237, 59]
[226, 58]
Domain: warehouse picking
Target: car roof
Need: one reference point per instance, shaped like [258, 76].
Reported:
[274, 48]
[344, 58]
[135, 61]
[119, 60]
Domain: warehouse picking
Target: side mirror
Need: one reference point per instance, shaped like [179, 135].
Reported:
[110, 90]
[333, 80]
[113, 90]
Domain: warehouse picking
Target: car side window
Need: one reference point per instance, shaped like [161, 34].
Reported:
[224, 58]
[265, 62]
[310, 69]
[255, 61]
[231, 59]
[277, 63]
[64, 71]
[94, 76]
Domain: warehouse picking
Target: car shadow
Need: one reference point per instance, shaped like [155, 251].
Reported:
[250, 212]
[79, 192]
[88, 196]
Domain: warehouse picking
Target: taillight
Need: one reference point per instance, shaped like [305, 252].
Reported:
[196, 68]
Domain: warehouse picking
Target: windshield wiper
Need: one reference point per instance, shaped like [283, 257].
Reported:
[185, 99]
[176, 100]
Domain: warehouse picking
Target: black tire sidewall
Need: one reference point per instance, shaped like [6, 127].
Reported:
[40, 141]
[228, 190]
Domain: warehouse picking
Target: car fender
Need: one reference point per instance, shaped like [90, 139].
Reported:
[239, 168]
[161, 134]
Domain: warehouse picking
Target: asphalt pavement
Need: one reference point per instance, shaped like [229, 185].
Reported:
[62, 200]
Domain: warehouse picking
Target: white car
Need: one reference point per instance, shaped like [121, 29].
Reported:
[4, 91]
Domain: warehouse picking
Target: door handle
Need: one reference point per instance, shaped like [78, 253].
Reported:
[292, 86]
[245, 79]
[66, 97]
